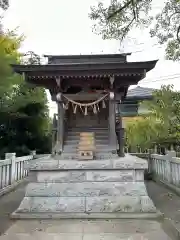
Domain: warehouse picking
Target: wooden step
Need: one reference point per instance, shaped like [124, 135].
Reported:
[86, 146]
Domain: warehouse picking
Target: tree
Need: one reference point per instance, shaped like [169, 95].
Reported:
[24, 122]
[31, 58]
[167, 28]
[9, 45]
[116, 20]
[4, 4]
[166, 109]
[162, 125]
[120, 17]
[142, 132]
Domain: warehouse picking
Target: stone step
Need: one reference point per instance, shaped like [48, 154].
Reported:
[94, 131]
[86, 189]
[75, 156]
[87, 205]
[97, 137]
[75, 151]
[83, 175]
[74, 147]
[78, 134]
[127, 162]
[87, 129]
[75, 142]
[98, 155]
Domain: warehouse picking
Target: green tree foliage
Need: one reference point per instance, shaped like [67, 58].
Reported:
[142, 132]
[115, 21]
[162, 125]
[166, 109]
[167, 28]
[9, 43]
[24, 122]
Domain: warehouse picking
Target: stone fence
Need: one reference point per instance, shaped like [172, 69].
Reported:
[13, 171]
[164, 168]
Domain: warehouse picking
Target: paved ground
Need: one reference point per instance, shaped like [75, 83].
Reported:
[166, 201]
[9, 203]
[86, 230]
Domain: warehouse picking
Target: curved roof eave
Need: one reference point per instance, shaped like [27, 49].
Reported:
[148, 65]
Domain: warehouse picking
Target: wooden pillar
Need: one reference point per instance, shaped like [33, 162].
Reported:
[112, 120]
[60, 125]
[120, 134]
[54, 133]
[122, 140]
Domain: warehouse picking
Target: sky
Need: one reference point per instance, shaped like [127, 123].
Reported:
[63, 27]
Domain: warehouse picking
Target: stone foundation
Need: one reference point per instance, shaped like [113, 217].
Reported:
[87, 189]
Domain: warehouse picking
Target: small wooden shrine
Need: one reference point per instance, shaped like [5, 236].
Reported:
[87, 89]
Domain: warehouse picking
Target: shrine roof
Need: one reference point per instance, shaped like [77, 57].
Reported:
[87, 55]
[81, 68]
[73, 70]
[93, 58]
[140, 92]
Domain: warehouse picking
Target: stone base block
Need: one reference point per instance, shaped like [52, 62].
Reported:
[86, 189]
[112, 175]
[123, 204]
[86, 207]
[128, 162]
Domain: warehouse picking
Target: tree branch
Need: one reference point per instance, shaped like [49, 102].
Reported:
[134, 9]
[173, 15]
[178, 29]
[119, 10]
[126, 29]
[178, 33]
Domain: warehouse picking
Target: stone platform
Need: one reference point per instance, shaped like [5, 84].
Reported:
[112, 188]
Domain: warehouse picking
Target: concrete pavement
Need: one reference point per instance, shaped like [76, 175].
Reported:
[86, 230]
[166, 201]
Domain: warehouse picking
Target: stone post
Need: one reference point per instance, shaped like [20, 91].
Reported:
[112, 120]
[12, 170]
[169, 156]
[172, 147]
[33, 153]
[155, 149]
[150, 151]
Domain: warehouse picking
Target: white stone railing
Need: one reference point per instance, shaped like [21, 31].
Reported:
[166, 168]
[13, 170]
